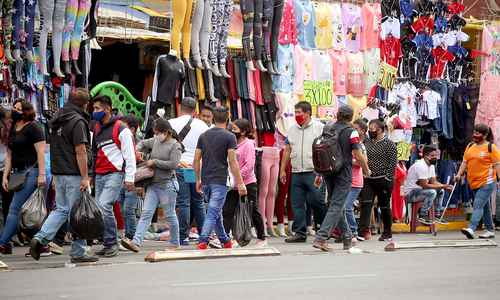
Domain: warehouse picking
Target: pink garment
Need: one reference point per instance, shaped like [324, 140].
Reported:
[303, 68]
[340, 70]
[268, 182]
[357, 177]
[258, 88]
[251, 85]
[288, 28]
[355, 78]
[371, 16]
[246, 160]
[488, 110]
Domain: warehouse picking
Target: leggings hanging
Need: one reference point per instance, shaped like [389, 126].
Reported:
[76, 14]
[181, 10]
[221, 18]
[6, 9]
[24, 35]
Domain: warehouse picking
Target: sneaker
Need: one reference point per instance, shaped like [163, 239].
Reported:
[193, 236]
[261, 244]
[6, 249]
[425, 220]
[108, 251]
[385, 237]
[185, 242]
[321, 245]
[360, 238]
[310, 231]
[367, 235]
[202, 246]
[215, 244]
[84, 259]
[441, 221]
[347, 244]
[129, 245]
[469, 233]
[55, 248]
[228, 245]
[45, 251]
[281, 230]
[355, 250]
[487, 235]
[35, 249]
[296, 239]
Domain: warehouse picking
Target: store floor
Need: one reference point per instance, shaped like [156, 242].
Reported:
[301, 272]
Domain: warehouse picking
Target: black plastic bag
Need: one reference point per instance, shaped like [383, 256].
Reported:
[34, 212]
[242, 232]
[86, 219]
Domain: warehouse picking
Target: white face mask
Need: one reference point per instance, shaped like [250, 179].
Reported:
[161, 137]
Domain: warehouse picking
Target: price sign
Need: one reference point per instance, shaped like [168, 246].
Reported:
[404, 151]
[318, 93]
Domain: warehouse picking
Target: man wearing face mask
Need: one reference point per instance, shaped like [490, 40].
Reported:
[305, 183]
[421, 183]
[114, 164]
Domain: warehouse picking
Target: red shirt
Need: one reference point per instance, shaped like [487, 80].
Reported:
[441, 58]
[423, 23]
[390, 51]
[455, 8]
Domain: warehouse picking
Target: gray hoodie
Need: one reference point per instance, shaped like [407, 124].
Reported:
[166, 157]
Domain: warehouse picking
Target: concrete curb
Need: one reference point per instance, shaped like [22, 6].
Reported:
[159, 256]
[394, 246]
[451, 226]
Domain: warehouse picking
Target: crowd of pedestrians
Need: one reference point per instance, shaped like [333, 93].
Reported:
[203, 165]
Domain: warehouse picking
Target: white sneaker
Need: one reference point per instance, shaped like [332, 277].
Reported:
[354, 250]
[310, 231]
[469, 233]
[487, 235]
[281, 230]
[261, 244]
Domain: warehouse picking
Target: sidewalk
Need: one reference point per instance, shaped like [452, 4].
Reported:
[18, 261]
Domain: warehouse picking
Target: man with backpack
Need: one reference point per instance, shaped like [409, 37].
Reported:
[114, 166]
[304, 182]
[344, 143]
[189, 201]
[69, 154]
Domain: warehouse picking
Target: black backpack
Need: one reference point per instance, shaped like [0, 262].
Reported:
[327, 154]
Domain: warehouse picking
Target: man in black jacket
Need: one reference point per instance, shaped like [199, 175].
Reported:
[69, 155]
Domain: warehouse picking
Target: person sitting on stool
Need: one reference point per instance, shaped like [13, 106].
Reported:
[421, 183]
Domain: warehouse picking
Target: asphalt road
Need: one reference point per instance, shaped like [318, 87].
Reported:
[300, 272]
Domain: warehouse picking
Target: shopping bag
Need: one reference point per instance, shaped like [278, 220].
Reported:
[86, 219]
[242, 224]
[34, 211]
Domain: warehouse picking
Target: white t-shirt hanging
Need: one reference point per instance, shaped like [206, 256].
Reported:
[455, 36]
[323, 66]
[390, 26]
[404, 94]
[337, 27]
[439, 39]
[432, 99]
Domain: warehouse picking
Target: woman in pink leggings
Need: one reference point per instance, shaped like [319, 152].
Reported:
[268, 184]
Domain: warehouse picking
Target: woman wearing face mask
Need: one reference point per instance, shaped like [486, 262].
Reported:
[165, 156]
[482, 163]
[5, 125]
[382, 160]
[246, 160]
[25, 154]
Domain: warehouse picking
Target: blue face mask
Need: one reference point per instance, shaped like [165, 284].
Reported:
[98, 115]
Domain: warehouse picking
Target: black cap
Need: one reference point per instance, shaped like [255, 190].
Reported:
[189, 102]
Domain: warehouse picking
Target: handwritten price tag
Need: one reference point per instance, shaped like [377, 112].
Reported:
[404, 151]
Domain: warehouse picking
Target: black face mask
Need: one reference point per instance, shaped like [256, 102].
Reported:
[16, 116]
[433, 161]
[372, 134]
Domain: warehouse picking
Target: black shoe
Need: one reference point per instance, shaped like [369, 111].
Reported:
[108, 251]
[347, 244]
[84, 259]
[296, 239]
[425, 220]
[6, 249]
[35, 249]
